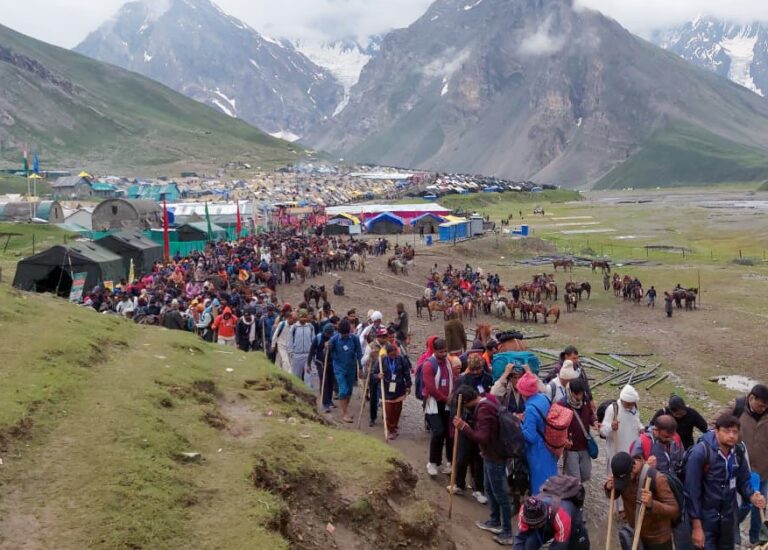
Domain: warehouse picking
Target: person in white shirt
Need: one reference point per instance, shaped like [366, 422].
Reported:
[556, 388]
[621, 425]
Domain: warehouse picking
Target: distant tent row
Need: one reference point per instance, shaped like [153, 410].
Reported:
[107, 259]
[342, 224]
[385, 223]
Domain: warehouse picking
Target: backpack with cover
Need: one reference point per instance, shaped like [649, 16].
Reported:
[510, 442]
[559, 488]
[501, 360]
[556, 424]
[677, 489]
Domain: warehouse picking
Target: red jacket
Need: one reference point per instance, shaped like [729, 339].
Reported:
[226, 327]
[441, 393]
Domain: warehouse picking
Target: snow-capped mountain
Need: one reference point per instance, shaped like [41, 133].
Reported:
[344, 59]
[195, 48]
[734, 51]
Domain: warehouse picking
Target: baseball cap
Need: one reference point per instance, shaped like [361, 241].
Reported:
[621, 468]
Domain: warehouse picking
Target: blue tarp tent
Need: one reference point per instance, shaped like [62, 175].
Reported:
[385, 223]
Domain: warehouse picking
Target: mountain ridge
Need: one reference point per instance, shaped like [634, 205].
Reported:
[546, 92]
[80, 113]
[195, 48]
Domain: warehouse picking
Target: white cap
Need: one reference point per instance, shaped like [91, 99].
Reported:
[376, 316]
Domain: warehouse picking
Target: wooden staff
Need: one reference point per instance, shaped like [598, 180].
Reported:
[610, 518]
[362, 405]
[264, 335]
[640, 516]
[325, 373]
[383, 400]
[453, 460]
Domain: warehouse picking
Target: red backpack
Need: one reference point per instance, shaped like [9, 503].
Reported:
[556, 425]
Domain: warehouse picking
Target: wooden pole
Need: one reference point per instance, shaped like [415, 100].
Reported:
[453, 460]
[610, 518]
[383, 400]
[325, 373]
[640, 516]
[362, 405]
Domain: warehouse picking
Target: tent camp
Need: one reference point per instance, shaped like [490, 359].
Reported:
[342, 224]
[198, 231]
[133, 245]
[385, 223]
[52, 270]
[428, 221]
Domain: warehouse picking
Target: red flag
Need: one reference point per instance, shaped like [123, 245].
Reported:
[166, 243]
[239, 225]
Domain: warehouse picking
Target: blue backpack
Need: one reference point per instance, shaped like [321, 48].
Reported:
[418, 379]
[501, 360]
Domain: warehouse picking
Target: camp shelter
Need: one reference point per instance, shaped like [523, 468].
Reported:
[127, 214]
[342, 224]
[133, 245]
[454, 230]
[428, 221]
[50, 211]
[198, 231]
[52, 270]
[385, 223]
[476, 225]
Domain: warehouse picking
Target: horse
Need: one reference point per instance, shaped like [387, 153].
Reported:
[483, 332]
[421, 305]
[539, 308]
[637, 294]
[469, 308]
[584, 287]
[690, 298]
[357, 262]
[618, 286]
[550, 291]
[315, 293]
[604, 265]
[526, 308]
[499, 308]
[571, 301]
[565, 264]
[554, 311]
[435, 306]
[301, 271]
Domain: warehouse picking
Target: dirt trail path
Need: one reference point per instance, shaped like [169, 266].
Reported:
[693, 343]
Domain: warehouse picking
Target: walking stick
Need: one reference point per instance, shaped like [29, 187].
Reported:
[453, 461]
[610, 518]
[383, 401]
[264, 336]
[362, 405]
[640, 516]
[325, 375]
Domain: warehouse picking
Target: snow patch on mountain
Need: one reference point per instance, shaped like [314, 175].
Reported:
[232, 102]
[470, 6]
[223, 107]
[286, 135]
[147, 57]
[741, 50]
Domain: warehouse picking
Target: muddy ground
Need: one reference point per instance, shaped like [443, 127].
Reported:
[691, 345]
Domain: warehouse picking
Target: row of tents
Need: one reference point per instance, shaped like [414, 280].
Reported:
[110, 258]
[386, 223]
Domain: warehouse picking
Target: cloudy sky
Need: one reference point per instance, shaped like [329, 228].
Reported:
[67, 22]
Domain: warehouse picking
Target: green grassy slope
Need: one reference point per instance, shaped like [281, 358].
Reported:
[683, 155]
[83, 113]
[96, 413]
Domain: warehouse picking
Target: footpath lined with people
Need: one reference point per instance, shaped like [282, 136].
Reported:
[514, 441]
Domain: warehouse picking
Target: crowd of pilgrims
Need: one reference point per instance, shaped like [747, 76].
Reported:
[525, 442]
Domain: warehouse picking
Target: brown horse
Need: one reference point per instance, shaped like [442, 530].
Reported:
[469, 309]
[571, 302]
[604, 265]
[565, 264]
[421, 305]
[550, 291]
[690, 298]
[539, 308]
[554, 311]
[435, 306]
[315, 293]
[483, 332]
[618, 286]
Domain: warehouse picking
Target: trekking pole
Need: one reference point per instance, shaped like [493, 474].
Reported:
[453, 460]
[264, 336]
[383, 401]
[325, 375]
[362, 405]
[610, 518]
[640, 516]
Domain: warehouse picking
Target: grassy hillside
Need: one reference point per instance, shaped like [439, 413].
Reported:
[95, 418]
[683, 155]
[17, 184]
[81, 113]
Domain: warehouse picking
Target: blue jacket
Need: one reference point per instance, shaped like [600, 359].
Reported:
[346, 352]
[543, 464]
[268, 321]
[711, 486]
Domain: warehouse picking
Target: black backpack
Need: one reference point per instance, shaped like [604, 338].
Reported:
[510, 442]
[676, 485]
[741, 452]
[600, 413]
